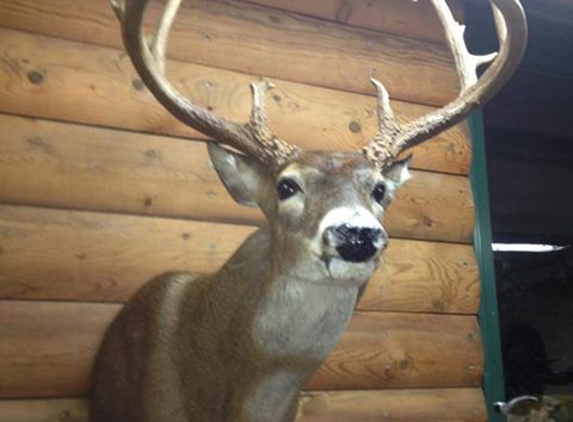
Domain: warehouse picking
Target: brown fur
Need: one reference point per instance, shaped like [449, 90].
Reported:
[237, 346]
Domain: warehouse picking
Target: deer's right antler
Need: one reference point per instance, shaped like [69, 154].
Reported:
[254, 138]
[392, 137]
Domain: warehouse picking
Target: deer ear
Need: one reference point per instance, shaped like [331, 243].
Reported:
[398, 172]
[243, 176]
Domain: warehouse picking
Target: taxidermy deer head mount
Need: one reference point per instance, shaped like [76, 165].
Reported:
[342, 195]
[283, 300]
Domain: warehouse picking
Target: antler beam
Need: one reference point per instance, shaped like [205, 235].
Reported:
[392, 138]
[148, 56]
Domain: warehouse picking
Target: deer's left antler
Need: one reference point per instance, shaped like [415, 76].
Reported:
[392, 137]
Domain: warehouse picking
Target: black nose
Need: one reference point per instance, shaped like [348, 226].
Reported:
[357, 244]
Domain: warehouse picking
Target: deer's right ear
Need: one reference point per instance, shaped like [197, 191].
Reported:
[243, 176]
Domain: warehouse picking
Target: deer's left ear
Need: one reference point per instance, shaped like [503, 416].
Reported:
[398, 172]
[243, 176]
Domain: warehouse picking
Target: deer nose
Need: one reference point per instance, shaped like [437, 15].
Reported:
[357, 244]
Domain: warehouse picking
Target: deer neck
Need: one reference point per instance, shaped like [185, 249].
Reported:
[293, 327]
[292, 318]
[299, 319]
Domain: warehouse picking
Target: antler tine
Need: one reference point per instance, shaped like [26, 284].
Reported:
[253, 138]
[258, 120]
[383, 149]
[512, 33]
[466, 63]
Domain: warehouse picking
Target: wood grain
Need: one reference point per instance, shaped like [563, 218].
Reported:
[51, 410]
[48, 350]
[80, 256]
[56, 165]
[51, 78]
[406, 18]
[234, 35]
[320, 103]
[439, 405]
[419, 405]
[401, 350]
[428, 277]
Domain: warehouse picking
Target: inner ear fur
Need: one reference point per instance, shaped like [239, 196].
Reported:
[243, 176]
[399, 172]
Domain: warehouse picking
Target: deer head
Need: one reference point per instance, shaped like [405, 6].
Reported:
[325, 209]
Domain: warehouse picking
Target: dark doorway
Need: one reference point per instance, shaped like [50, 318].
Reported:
[529, 146]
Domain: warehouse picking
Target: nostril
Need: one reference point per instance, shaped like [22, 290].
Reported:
[345, 230]
[328, 236]
[371, 234]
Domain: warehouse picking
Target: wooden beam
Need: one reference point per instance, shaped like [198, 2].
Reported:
[399, 350]
[262, 41]
[406, 18]
[436, 405]
[51, 410]
[59, 165]
[83, 256]
[55, 79]
[420, 405]
[48, 349]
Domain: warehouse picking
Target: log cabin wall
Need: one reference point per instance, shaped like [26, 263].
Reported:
[100, 189]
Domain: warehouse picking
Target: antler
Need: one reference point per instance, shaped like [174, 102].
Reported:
[392, 137]
[148, 56]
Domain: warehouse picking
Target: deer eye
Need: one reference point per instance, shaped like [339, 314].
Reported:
[379, 192]
[287, 188]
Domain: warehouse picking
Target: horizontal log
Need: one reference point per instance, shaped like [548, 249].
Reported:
[406, 18]
[59, 165]
[401, 350]
[85, 256]
[48, 350]
[420, 405]
[39, 410]
[56, 79]
[439, 405]
[258, 40]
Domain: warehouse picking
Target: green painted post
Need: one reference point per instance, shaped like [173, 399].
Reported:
[494, 387]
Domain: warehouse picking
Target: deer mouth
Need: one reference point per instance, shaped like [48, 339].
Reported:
[350, 272]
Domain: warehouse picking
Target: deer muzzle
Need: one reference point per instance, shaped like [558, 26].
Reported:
[355, 244]
[352, 235]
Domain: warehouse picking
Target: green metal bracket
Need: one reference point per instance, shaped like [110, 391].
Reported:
[494, 387]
